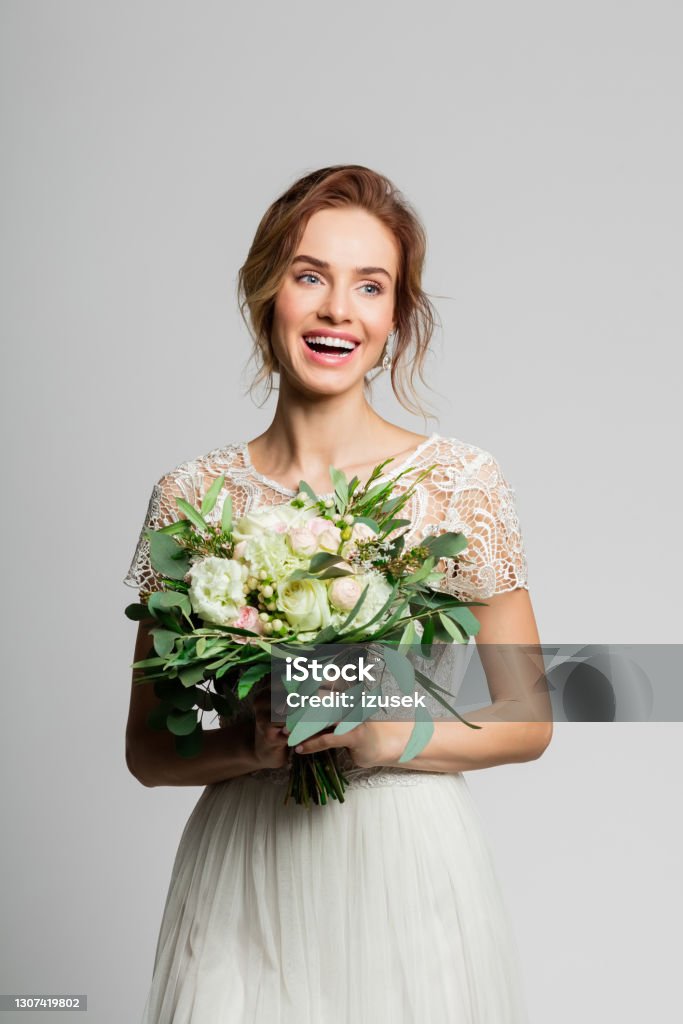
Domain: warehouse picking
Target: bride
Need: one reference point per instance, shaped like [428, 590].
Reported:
[386, 908]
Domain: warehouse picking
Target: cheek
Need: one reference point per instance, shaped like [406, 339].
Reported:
[290, 305]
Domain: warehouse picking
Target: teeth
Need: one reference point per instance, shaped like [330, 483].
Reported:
[331, 343]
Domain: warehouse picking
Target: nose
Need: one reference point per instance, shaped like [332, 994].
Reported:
[335, 305]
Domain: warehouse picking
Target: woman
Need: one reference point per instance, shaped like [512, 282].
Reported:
[385, 908]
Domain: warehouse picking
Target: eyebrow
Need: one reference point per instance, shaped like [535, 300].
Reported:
[324, 265]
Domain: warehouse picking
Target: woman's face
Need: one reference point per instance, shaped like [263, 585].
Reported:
[339, 286]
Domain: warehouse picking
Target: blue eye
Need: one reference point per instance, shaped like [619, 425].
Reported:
[308, 274]
[371, 285]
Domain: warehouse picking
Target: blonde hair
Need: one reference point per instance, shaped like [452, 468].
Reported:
[274, 246]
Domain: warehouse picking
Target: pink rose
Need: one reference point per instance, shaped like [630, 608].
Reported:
[302, 541]
[330, 539]
[318, 524]
[343, 593]
[248, 618]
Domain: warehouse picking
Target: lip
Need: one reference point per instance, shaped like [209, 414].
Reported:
[323, 358]
[342, 335]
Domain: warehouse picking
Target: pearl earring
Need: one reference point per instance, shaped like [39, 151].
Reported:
[386, 362]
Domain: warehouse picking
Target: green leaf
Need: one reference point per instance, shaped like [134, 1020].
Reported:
[250, 676]
[209, 499]
[423, 730]
[164, 640]
[165, 600]
[323, 560]
[181, 723]
[226, 516]
[303, 486]
[192, 514]
[401, 669]
[137, 612]
[306, 727]
[451, 628]
[446, 545]
[464, 617]
[191, 675]
[191, 744]
[408, 638]
[334, 571]
[372, 523]
[166, 556]
[179, 526]
[421, 573]
[185, 699]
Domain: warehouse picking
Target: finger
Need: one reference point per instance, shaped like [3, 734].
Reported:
[325, 741]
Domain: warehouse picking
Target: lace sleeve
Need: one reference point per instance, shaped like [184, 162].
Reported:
[482, 506]
[161, 510]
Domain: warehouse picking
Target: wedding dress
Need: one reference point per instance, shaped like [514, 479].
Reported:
[385, 909]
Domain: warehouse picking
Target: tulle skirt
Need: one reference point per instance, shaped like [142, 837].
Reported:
[385, 909]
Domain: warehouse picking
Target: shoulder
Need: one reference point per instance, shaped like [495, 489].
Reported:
[193, 473]
[468, 465]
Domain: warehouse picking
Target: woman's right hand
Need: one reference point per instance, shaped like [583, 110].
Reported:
[270, 742]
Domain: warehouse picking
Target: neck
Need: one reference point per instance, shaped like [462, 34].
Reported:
[307, 435]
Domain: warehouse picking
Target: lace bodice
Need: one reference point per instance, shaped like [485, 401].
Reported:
[466, 492]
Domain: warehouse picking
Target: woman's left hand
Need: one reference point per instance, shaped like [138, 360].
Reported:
[370, 744]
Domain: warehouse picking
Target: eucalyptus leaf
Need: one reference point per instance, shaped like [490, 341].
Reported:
[166, 556]
[191, 513]
[193, 674]
[451, 628]
[137, 612]
[226, 515]
[191, 744]
[446, 545]
[209, 499]
[251, 676]
[400, 667]
[164, 640]
[304, 487]
[181, 723]
[423, 730]
[464, 617]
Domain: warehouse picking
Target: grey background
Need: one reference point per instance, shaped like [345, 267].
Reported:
[142, 142]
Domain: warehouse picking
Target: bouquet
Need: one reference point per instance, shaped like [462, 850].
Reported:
[281, 580]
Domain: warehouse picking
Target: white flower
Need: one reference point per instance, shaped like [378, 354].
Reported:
[302, 541]
[275, 519]
[377, 596]
[330, 539]
[304, 604]
[343, 593]
[217, 589]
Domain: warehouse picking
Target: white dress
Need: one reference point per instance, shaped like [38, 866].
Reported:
[385, 909]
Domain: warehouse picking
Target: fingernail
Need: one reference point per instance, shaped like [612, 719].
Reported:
[299, 748]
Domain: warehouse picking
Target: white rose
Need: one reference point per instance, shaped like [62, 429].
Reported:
[304, 604]
[330, 539]
[343, 593]
[302, 541]
[269, 520]
[216, 589]
[376, 597]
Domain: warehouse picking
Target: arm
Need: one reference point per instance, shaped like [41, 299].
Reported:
[151, 756]
[516, 727]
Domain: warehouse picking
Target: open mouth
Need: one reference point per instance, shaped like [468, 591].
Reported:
[330, 348]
